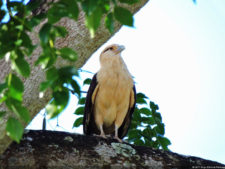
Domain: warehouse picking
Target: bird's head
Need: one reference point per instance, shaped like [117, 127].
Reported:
[111, 51]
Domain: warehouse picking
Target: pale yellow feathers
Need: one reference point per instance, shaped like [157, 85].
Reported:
[114, 94]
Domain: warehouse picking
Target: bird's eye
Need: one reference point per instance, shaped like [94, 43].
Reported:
[110, 48]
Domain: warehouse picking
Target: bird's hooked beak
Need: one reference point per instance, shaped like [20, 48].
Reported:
[120, 48]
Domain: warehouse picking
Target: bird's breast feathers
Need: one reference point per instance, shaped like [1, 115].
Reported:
[113, 95]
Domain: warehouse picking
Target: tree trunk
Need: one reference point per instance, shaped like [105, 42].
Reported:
[52, 149]
[78, 39]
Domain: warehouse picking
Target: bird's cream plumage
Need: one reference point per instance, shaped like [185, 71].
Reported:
[113, 96]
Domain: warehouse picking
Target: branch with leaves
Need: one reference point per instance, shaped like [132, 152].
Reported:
[16, 47]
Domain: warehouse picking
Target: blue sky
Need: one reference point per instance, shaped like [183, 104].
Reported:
[176, 53]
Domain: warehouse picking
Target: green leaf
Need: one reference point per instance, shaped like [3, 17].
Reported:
[67, 72]
[148, 120]
[72, 8]
[43, 60]
[14, 129]
[61, 97]
[68, 53]
[92, 21]
[145, 111]
[18, 109]
[129, 1]
[15, 83]
[76, 87]
[165, 142]
[153, 106]
[21, 66]
[32, 5]
[60, 30]
[82, 101]
[27, 43]
[157, 117]
[140, 100]
[141, 95]
[124, 16]
[2, 113]
[139, 142]
[3, 86]
[52, 74]
[56, 12]
[109, 23]
[60, 9]
[54, 110]
[44, 33]
[136, 115]
[79, 111]
[78, 122]
[45, 85]
[160, 129]
[87, 81]
[89, 6]
[133, 134]
[148, 133]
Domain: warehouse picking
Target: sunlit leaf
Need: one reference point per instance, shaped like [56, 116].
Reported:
[92, 21]
[14, 129]
[18, 109]
[21, 66]
[68, 53]
[60, 30]
[109, 23]
[15, 83]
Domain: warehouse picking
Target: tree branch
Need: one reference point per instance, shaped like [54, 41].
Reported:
[51, 149]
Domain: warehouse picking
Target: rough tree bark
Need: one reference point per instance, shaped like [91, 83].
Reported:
[51, 149]
[78, 39]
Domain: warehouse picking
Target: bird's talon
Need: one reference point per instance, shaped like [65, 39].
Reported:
[118, 139]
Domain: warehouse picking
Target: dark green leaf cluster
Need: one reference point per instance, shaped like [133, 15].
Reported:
[147, 127]
[60, 81]
[80, 110]
[12, 94]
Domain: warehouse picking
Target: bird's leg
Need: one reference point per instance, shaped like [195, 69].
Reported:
[116, 134]
[102, 134]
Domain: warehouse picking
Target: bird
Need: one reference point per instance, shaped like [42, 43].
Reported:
[111, 97]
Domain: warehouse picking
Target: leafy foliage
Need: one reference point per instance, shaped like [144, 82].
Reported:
[146, 129]
[16, 46]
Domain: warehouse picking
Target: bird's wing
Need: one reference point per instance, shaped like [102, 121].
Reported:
[127, 120]
[89, 125]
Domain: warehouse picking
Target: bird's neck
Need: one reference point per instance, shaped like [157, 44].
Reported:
[114, 65]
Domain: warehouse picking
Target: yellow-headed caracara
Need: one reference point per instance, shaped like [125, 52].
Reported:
[111, 97]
